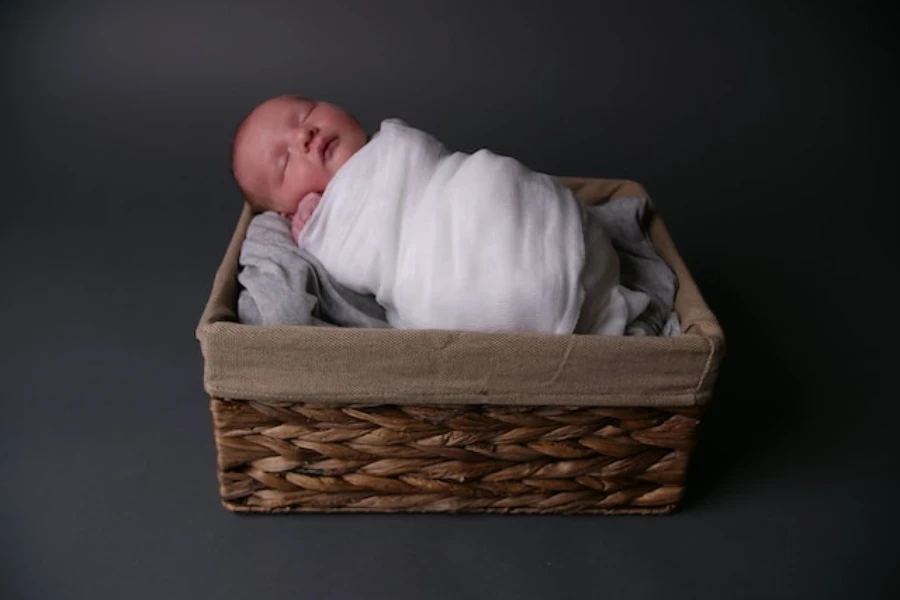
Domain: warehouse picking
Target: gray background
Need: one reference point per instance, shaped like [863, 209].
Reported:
[766, 133]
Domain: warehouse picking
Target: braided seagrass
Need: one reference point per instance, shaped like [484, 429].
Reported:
[511, 459]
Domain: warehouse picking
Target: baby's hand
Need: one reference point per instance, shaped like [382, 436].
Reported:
[304, 211]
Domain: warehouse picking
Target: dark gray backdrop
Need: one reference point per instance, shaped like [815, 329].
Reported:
[765, 131]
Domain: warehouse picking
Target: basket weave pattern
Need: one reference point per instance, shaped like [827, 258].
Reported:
[296, 457]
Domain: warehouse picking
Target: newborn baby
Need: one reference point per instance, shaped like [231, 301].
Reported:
[441, 239]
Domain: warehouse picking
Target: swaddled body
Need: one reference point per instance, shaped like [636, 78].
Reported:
[449, 240]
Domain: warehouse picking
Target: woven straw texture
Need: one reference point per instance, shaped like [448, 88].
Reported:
[296, 457]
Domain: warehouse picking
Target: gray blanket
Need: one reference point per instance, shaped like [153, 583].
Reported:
[626, 220]
[284, 285]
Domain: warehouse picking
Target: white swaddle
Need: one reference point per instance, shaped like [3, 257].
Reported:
[450, 240]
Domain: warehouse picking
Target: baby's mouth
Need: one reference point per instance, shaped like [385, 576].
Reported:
[328, 146]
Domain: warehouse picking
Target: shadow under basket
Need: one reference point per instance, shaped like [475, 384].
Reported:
[327, 419]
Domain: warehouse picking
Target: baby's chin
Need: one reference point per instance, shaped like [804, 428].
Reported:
[345, 149]
[341, 155]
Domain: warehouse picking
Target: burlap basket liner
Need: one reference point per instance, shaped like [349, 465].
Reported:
[335, 365]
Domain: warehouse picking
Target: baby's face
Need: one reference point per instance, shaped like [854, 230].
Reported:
[288, 147]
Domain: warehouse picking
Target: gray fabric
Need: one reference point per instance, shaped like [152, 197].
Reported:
[642, 269]
[284, 285]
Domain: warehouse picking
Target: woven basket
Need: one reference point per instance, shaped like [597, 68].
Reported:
[430, 421]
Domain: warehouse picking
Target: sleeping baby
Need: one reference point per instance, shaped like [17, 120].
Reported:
[441, 239]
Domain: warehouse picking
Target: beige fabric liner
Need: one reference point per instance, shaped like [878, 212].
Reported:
[348, 365]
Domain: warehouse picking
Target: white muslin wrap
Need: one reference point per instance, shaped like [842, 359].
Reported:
[451, 240]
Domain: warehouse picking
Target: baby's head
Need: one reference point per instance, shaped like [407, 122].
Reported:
[288, 147]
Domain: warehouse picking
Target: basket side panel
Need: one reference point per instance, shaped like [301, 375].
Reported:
[300, 457]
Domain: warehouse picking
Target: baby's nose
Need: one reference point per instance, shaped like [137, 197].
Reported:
[305, 134]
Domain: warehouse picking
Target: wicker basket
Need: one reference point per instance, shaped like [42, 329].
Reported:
[310, 419]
